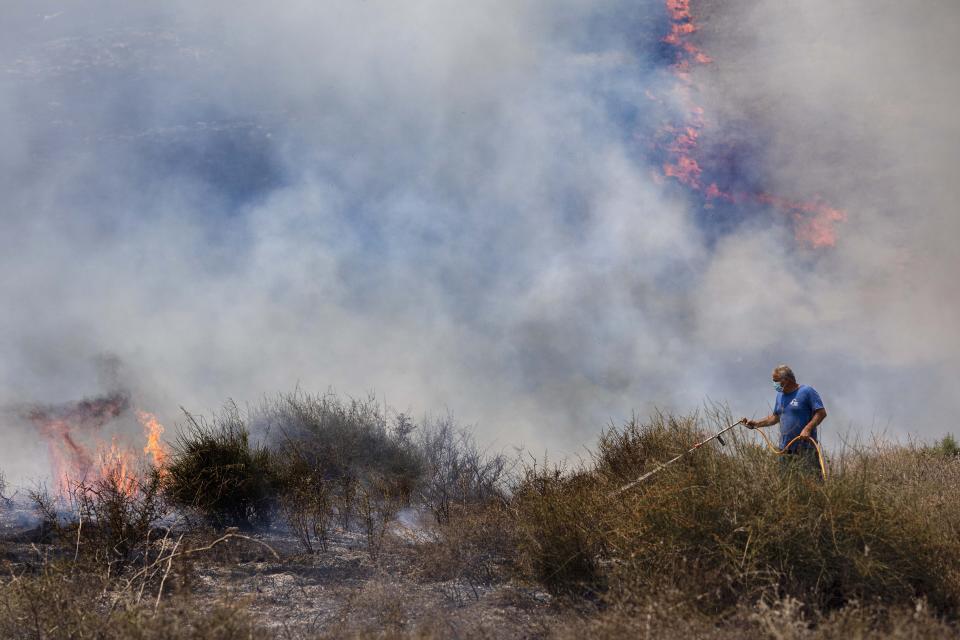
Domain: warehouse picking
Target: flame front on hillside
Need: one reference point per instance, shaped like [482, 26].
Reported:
[813, 220]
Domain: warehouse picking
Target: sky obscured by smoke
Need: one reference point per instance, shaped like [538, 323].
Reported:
[856, 100]
[456, 206]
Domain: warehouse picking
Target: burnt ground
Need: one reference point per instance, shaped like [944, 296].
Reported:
[343, 591]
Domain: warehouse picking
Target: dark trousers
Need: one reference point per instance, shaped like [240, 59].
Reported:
[801, 462]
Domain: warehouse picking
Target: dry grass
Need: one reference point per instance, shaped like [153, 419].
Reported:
[61, 601]
[474, 547]
[665, 616]
[729, 528]
[109, 571]
[720, 545]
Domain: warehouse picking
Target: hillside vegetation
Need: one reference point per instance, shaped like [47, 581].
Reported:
[724, 529]
[722, 544]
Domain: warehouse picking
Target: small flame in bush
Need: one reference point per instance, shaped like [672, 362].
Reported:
[116, 468]
[78, 451]
[814, 221]
[154, 447]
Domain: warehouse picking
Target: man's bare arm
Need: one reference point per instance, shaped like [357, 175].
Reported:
[817, 418]
[769, 421]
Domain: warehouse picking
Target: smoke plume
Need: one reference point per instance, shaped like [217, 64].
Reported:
[485, 207]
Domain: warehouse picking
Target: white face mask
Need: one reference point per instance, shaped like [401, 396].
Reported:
[778, 386]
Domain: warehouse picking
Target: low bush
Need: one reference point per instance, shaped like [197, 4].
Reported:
[338, 460]
[457, 474]
[341, 440]
[324, 460]
[559, 544]
[306, 502]
[215, 470]
[377, 504]
[108, 520]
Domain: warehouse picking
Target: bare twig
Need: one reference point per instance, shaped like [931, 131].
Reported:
[173, 554]
[167, 572]
[76, 554]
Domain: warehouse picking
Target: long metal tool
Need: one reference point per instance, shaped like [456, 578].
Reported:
[661, 467]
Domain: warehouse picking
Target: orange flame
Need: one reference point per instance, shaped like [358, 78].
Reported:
[62, 428]
[814, 221]
[115, 467]
[154, 448]
[71, 459]
[77, 455]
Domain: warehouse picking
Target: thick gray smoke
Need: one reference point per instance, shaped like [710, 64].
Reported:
[859, 97]
[454, 205]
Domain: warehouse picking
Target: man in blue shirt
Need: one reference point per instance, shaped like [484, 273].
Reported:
[799, 410]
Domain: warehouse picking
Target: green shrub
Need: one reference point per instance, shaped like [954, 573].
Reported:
[947, 446]
[216, 470]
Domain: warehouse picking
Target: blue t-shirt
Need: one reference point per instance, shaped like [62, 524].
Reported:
[795, 410]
